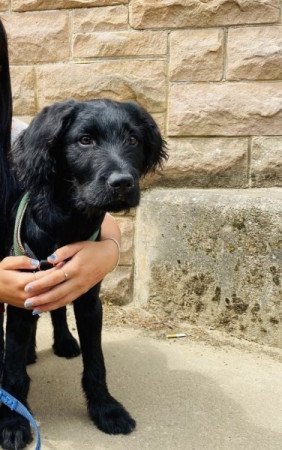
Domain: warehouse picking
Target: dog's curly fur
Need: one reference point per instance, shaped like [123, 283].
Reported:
[78, 160]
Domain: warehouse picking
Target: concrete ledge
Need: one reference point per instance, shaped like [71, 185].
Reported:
[211, 257]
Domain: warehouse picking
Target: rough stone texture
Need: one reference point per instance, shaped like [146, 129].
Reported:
[4, 5]
[196, 55]
[120, 43]
[23, 82]
[38, 37]
[127, 232]
[190, 13]
[160, 119]
[144, 83]
[212, 258]
[266, 161]
[111, 18]
[32, 5]
[254, 53]
[225, 109]
[117, 286]
[213, 162]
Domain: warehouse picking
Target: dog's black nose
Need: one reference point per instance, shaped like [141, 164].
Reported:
[121, 182]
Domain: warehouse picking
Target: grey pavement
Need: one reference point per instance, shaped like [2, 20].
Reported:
[183, 395]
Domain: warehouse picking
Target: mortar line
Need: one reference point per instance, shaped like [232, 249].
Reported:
[128, 17]
[71, 34]
[36, 101]
[191, 28]
[249, 162]
[167, 84]
[225, 40]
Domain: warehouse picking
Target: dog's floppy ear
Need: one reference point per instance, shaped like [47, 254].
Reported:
[34, 152]
[154, 145]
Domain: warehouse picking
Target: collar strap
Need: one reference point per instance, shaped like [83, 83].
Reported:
[94, 236]
[19, 249]
[17, 243]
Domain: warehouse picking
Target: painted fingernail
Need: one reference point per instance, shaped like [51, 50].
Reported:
[35, 263]
[28, 303]
[28, 288]
[53, 257]
[36, 312]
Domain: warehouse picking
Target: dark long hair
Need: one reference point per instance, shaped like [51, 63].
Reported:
[7, 180]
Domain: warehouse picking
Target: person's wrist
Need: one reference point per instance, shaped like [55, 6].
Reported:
[116, 245]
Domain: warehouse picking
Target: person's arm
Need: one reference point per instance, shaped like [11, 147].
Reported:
[89, 263]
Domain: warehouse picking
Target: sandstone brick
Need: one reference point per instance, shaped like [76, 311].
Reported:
[127, 232]
[266, 161]
[225, 109]
[38, 37]
[254, 53]
[32, 5]
[23, 85]
[111, 18]
[190, 13]
[120, 43]
[135, 80]
[196, 55]
[4, 5]
[203, 162]
[160, 121]
[117, 286]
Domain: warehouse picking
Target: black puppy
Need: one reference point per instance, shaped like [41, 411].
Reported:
[77, 160]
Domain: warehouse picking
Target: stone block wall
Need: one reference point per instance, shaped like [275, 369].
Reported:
[209, 72]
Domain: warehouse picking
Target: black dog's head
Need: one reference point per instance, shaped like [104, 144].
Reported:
[97, 150]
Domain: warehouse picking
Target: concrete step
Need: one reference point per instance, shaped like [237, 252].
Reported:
[211, 257]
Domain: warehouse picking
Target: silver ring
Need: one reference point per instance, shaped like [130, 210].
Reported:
[65, 274]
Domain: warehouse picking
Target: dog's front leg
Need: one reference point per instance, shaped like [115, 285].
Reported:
[15, 431]
[106, 412]
[65, 345]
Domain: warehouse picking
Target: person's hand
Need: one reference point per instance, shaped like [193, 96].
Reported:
[13, 281]
[88, 263]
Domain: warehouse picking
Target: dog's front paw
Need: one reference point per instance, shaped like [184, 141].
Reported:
[66, 347]
[111, 417]
[15, 433]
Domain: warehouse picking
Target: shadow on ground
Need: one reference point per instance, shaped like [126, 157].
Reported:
[174, 408]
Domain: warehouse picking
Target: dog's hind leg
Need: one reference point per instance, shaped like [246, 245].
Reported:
[106, 412]
[15, 431]
[65, 345]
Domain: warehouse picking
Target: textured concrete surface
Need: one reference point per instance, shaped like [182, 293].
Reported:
[184, 395]
[212, 257]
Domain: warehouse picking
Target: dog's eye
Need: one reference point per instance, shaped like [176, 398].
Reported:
[86, 140]
[133, 140]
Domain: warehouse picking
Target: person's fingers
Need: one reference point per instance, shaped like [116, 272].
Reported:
[64, 253]
[53, 305]
[19, 263]
[53, 295]
[44, 280]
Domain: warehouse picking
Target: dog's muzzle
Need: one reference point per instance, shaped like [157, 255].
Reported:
[121, 183]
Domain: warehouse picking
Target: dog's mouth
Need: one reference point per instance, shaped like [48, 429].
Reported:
[120, 206]
[106, 200]
[118, 203]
